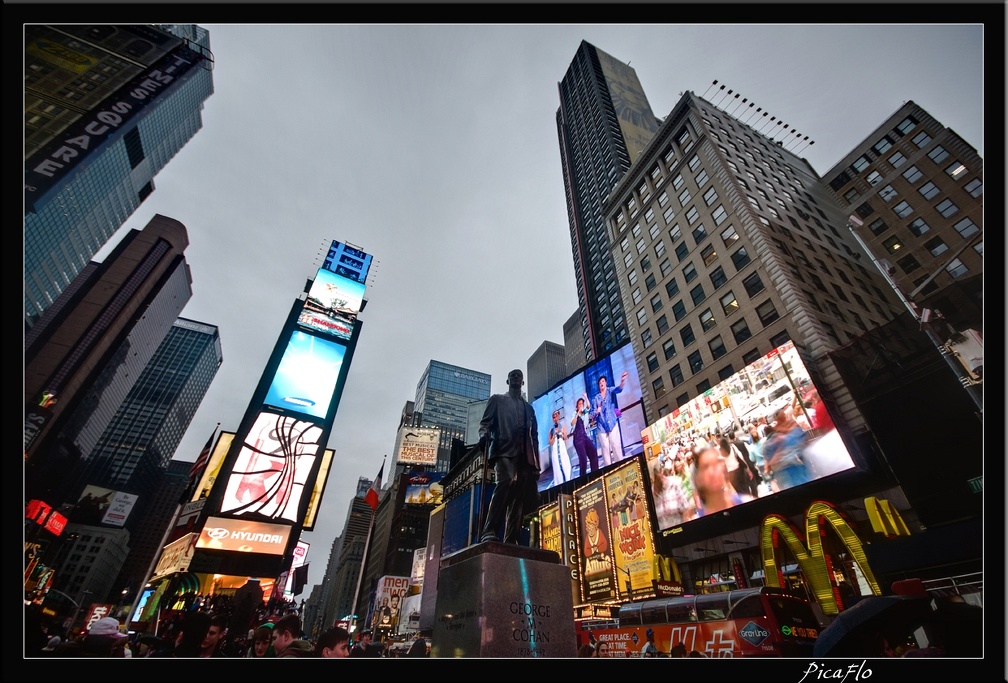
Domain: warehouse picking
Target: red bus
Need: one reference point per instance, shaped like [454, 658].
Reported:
[747, 622]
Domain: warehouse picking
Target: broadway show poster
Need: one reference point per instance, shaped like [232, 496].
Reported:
[597, 580]
[632, 543]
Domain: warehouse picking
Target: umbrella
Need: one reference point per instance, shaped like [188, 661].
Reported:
[855, 631]
[850, 633]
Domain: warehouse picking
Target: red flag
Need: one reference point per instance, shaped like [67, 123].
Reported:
[371, 497]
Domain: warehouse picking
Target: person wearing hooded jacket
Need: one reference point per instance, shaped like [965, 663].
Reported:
[287, 641]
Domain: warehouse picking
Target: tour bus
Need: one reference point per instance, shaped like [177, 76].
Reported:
[746, 622]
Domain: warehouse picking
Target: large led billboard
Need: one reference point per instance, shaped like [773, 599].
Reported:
[269, 475]
[591, 421]
[306, 378]
[348, 261]
[332, 304]
[804, 448]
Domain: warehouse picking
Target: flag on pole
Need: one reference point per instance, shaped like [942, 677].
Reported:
[300, 579]
[196, 471]
[371, 497]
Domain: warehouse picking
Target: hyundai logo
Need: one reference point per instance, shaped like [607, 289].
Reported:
[217, 532]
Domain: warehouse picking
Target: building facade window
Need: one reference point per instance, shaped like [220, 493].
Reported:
[740, 332]
[707, 321]
[903, 209]
[652, 362]
[718, 277]
[697, 294]
[676, 375]
[928, 190]
[729, 304]
[686, 333]
[913, 174]
[936, 246]
[767, 312]
[956, 268]
[918, 227]
[717, 347]
[893, 244]
[947, 208]
[695, 361]
[897, 160]
[753, 285]
[678, 310]
[740, 258]
[669, 349]
[966, 228]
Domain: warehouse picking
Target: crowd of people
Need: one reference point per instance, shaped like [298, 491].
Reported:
[204, 634]
[698, 474]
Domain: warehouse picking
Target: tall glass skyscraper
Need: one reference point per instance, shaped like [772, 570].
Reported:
[106, 108]
[603, 123]
[148, 425]
[443, 395]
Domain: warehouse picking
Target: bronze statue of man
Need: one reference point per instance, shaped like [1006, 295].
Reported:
[509, 436]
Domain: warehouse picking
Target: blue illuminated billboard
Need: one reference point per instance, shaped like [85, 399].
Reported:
[591, 421]
[307, 375]
[348, 261]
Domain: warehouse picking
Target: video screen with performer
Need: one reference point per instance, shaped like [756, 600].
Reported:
[590, 421]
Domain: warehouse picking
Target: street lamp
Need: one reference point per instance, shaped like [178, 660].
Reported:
[77, 606]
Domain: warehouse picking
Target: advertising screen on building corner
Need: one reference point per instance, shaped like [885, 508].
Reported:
[307, 375]
[332, 304]
[272, 468]
[752, 396]
[608, 393]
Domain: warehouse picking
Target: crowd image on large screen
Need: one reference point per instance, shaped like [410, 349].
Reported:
[763, 430]
[592, 420]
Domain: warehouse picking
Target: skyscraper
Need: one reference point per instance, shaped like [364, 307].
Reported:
[106, 108]
[442, 398]
[87, 351]
[574, 351]
[546, 366]
[603, 123]
[726, 246]
[915, 191]
[148, 425]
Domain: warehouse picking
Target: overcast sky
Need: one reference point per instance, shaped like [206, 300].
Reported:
[434, 148]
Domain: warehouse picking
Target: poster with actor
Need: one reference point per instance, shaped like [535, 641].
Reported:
[597, 579]
[632, 542]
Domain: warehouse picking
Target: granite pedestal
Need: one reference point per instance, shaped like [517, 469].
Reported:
[503, 600]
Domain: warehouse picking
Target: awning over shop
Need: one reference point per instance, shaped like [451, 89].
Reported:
[185, 583]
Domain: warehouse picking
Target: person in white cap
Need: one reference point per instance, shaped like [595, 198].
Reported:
[103, 639]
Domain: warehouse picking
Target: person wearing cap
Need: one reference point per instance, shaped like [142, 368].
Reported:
[364, 648]
[52, 644]
[101, 641]
[509, 436]
[649, 649]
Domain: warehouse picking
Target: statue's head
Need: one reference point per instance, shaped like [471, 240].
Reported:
[515, 378]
